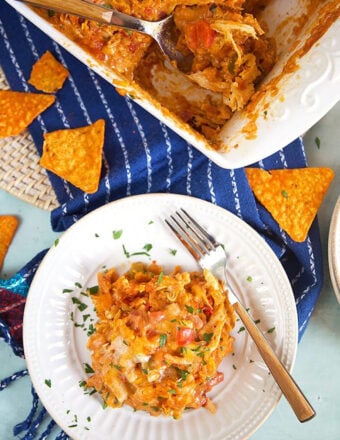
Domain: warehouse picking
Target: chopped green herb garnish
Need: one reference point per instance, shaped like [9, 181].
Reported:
[67, 290]
[284, 193]
[117, 234]
[172, 391]
[81, 306]
[189, 309]
[88, 369]
[91, 330]
[271, 330]
[207, 337]
[317, 141]
[126, 253]
[241, 329]
[78, 285]
[56, 242]
[48, 382]
[147, 247]
[173, 251]
[162, 339]
[93, 290]
[160, 277]
[249, 278]
[183, 373]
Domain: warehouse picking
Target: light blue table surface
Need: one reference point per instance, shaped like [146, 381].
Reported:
[318, 359]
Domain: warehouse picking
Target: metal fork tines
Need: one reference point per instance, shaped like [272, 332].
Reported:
[210, 254]
[197, 240]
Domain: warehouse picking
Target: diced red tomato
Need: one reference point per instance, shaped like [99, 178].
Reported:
[199, 34]
[185, 336]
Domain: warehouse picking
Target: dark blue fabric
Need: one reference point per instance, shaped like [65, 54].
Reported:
[141, 155]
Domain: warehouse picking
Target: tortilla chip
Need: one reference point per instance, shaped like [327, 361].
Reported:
[8, 226]
[48, 74]
[19, 109]
[76, 155]
[292, 196]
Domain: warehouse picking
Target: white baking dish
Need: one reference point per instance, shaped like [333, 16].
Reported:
[292, 104]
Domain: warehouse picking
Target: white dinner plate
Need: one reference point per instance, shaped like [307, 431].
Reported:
[56, 322]
[334, 249]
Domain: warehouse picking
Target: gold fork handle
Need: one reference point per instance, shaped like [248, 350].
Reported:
[289, 388]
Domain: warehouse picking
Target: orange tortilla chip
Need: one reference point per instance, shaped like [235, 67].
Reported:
[292, 196]
[19, 109]
[48, 74]
[76, 155]
[8, 226]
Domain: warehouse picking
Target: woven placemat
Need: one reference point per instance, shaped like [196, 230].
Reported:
[20, 172]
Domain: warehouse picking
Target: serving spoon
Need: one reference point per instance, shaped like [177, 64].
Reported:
[162, 31]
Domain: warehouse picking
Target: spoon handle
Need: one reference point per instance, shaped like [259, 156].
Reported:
[289, 388]
[76, 7]
[90, 11]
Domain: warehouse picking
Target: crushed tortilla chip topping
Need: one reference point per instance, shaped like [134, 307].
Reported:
[292, 196]
[48, 74]
[19, 109]
[76, 155]
[8, 227]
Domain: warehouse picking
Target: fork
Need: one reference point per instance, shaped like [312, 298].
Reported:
[211, 255]
[162, 31]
